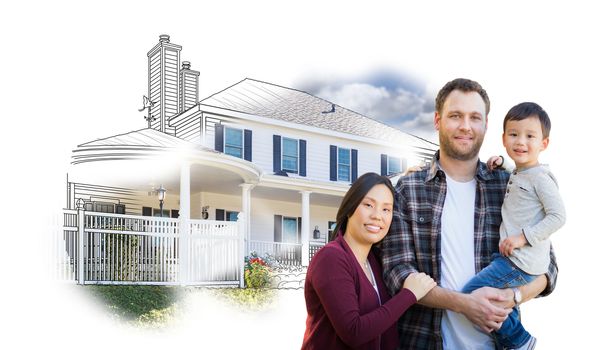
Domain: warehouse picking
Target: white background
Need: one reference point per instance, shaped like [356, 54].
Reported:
[72, 72]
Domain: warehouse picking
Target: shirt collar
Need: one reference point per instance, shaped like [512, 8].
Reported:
[435, 171]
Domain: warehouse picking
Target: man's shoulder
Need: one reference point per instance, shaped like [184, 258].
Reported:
[414, 178]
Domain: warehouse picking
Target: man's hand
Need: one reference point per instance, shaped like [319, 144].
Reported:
[485, 308]
[507, 246]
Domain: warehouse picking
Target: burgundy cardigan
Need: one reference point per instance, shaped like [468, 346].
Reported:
[343, 308]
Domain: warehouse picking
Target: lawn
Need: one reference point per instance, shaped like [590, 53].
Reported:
[159, 306]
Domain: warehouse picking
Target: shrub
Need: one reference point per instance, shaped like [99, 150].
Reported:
[257, 272]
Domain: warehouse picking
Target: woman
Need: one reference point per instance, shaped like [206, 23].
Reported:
[348, 304]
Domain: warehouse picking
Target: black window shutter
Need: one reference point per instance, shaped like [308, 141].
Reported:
[333, 163]
[276, 154]
[219, 131]
[247, 145]
[302, 151]
[384, 165]
[278, 228]
[299, 229]
[146, 211]
[220, 214]
[354, 165]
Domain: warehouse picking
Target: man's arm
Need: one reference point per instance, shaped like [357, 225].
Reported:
[482, 307]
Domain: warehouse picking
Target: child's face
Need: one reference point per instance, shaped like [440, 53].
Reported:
[523, 141]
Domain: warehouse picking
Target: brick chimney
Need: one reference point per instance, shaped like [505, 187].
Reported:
[188, 87]
[163, 82]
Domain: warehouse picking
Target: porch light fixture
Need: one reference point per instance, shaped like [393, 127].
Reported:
[316, 233]
[161, 194]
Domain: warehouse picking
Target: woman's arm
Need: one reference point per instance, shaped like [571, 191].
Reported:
[333, 282]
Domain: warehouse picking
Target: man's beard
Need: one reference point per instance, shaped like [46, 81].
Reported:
[454, 152]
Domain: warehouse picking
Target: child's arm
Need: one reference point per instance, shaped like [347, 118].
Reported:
[555, 213]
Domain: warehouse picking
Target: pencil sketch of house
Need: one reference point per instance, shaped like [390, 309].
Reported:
[254, 167]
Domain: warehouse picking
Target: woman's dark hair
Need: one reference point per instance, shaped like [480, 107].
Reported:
[354, 197]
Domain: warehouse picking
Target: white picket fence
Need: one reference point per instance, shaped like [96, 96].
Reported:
[103, 248]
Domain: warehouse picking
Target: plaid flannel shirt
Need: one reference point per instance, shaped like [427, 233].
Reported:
[413, 243]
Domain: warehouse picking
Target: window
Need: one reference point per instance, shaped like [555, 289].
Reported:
[231, 215]
[234, 142]
[394, 166]
[290, 230]
[331, 227]
[290, 155]
[343, 164]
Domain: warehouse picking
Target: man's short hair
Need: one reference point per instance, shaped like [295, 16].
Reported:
[526, 110]
[464, 85]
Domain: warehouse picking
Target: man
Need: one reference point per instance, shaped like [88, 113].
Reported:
[446, 224]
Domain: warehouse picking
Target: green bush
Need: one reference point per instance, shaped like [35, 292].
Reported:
[257, 272]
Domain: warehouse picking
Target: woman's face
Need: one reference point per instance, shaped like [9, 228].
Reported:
[370, 221]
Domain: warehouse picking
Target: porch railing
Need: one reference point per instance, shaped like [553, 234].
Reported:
[105, 248]
[287, 254]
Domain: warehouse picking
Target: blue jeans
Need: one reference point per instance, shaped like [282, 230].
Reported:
[502, 273]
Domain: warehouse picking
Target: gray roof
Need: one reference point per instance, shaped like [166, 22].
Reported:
[277, 102]
[143, 138]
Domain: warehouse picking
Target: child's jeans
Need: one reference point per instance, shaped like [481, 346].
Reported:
[502, 273]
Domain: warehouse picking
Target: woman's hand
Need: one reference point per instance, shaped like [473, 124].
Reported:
[419, 283]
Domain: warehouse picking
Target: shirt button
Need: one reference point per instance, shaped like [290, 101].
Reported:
[421, 219]
[508, 190]
[510, 182]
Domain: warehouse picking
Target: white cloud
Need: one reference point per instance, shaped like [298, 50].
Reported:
[407, 110]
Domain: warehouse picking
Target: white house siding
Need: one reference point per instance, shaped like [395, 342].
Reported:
[263, 212]
[318, 158]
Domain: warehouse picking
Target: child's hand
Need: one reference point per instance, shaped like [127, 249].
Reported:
[494, 162]
[412, 169]
[507, 246]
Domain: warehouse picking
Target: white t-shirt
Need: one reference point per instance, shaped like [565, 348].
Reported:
[457, 264]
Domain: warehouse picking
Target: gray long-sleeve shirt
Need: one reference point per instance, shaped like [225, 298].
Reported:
[533, 206]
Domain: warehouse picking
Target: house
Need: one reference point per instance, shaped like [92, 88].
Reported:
[282, 156]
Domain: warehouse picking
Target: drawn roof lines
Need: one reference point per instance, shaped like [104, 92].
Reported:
[277, 102]
[143, 138]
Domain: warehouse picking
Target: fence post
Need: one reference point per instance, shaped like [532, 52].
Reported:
[184, 224]
[242, 244]
[81, 245]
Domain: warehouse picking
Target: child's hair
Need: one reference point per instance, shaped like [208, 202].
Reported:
[354, 197]
[526, 110]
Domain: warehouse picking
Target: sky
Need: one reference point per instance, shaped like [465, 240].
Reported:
[74, 72]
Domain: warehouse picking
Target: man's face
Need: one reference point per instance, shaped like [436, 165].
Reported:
[462, 125]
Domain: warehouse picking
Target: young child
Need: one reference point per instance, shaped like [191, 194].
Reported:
[532, 210]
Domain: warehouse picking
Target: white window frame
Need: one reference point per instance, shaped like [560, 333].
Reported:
[225, 141]
[339, 163]
[297, 157]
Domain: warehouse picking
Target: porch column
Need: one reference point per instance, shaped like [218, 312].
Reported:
[184, 217]
[246, 204]
[305, 227]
